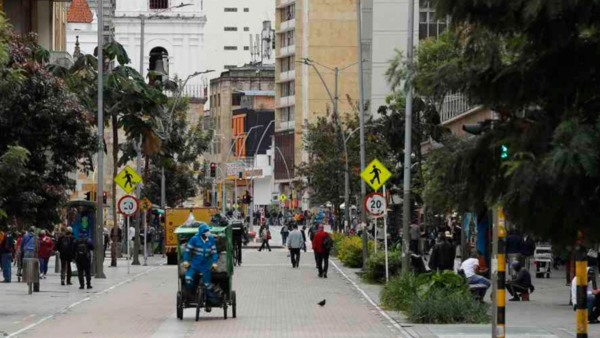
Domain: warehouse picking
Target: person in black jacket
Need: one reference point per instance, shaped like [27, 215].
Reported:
[66, 247]
[521, 284]
[528, 250]
[442, 255]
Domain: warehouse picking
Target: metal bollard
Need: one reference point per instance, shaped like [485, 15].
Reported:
[57, 263]
[31, 274]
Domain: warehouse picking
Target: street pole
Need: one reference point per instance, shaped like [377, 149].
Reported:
[385, 239]
[406, 216]
[494, 272]
[99, 236]
[361, 116]
[138, 192]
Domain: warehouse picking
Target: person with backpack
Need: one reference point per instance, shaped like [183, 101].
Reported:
[82, 254]
[284, 234]
[265, 236]
[7, 249]
[322, 244]
[46, 250]
[65, 246]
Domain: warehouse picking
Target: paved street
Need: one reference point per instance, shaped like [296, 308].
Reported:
[274, 300]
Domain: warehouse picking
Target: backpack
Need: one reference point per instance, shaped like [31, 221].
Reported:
[64, 244]
[327, 243]
[81, 249]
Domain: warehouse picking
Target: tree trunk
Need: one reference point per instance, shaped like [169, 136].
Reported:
[114, 247]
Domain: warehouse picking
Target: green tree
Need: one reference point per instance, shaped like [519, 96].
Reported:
[535, 66]
[39, 114]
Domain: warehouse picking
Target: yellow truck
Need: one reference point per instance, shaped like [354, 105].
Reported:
[176, 217]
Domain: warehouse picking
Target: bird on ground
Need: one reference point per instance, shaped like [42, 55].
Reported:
[322, 303]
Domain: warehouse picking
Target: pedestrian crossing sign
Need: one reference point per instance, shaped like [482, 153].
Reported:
[375, 174]
[128, 179]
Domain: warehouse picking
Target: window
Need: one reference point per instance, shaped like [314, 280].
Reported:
[230, 66]
[287, 39]
[269, 158]
[288, 13]
[246, 48]
[218, 100]
[428, 25]
[230, 9]
[231, 29]
[230, 47]
[246, 9]
[246, 29]
[159, 4]
[288, 88]
[288, 117]
[287, 64]
[236, 100]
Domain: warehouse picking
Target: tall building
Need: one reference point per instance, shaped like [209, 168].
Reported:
[238, 32]
[324, 31]
[240, 99]
[45, 18]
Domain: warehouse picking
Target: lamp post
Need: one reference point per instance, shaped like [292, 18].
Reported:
[227, 159]
[361, 116]
[334, 100]
[99, 231]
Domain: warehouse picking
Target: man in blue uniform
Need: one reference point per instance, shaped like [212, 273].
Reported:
[201, 251]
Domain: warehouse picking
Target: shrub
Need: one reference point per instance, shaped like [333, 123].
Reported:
[375, 272]
[349, 251]
[440, 298]
[441, 307]
[337, 237]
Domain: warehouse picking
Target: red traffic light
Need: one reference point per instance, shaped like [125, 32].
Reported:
[213, 165]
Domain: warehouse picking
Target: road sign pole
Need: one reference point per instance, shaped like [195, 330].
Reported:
[128, 246]
[385, 240]
[376, 232]
[145, 238]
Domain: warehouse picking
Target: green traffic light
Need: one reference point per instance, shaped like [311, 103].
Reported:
[504, 151]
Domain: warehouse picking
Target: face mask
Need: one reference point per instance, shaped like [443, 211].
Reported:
[206, 234]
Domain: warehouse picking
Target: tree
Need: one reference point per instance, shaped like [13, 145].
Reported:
[45, 126]
[548, 112]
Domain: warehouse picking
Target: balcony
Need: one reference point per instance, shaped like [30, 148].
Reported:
[286, 101]
[286, 51]
[287, 76]
[159, 5]
[287, 26]
[196, 93]
[453, 106]
[285, 3]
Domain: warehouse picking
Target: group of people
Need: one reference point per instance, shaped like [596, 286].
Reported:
[321, 244]
[18, 246]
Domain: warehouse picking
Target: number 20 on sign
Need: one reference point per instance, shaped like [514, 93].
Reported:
[375, 204]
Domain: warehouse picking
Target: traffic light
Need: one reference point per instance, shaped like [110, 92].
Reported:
[105, 197]
[504, 151]
[213, 170]
[88, 196]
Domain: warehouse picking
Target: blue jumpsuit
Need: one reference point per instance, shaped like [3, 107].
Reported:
[203, 254]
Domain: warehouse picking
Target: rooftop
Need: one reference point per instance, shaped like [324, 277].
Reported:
[80, 12]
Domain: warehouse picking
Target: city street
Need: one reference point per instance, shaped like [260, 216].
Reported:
[274, 300]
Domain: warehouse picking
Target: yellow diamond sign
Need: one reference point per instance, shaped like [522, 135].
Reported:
[375, 174]
[145, 204]
[128, 179]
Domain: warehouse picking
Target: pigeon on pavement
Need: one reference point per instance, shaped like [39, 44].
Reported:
[322, 303]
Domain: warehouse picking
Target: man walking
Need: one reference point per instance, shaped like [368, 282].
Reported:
[322, 244]
[294, 242]
[83, 249]
[66, 246]
[7, 250]
[284, 234]
[442, 255]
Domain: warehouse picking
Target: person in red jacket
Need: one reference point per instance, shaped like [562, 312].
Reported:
[46, 251]
[321, 244]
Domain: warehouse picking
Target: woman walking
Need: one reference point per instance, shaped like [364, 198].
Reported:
[46, 251]
[265, 235]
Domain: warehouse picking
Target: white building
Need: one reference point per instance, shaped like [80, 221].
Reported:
[390, 32]
[264, 179]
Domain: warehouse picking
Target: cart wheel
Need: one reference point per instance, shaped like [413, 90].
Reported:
[225, 310]
[199, 301]
[179, 305]
[233, 305]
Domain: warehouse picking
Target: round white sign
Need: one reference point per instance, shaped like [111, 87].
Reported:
[128, 205]
[375, 204]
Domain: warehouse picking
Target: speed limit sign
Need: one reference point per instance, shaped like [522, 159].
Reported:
[128, 205]
[375, 204]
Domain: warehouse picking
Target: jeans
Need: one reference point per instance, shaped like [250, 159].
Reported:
[323, 263]
[476, 279]
[414, 246]
[5, 259]
[83, 266]
[44, 265]
[295, 253]
[65, 268]
[265, 242]
[284, 238]
[516, 290]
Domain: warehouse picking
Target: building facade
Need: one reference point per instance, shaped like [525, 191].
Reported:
[324, 31]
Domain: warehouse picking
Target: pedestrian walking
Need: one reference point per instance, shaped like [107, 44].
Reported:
[7, 250]
[82, 255]
[322, 244]
[28, 243]
[442, 255]
[265, 236]
[131, 240]
[527, 250]
[65, 246]
[303, 237]
[284, 234]
[415, 234]
[46, 250]
[295, 243]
